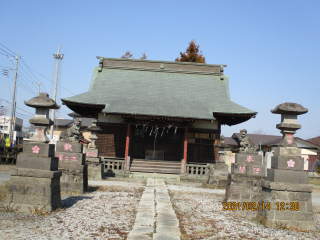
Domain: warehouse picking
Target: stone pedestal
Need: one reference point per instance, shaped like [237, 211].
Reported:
[35, 182]
[244, 182]
[286, 190]
[219, 175]
[95, 167]
[74, 177]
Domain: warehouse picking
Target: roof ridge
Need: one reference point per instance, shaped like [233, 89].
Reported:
[161, 61]
[161, 70]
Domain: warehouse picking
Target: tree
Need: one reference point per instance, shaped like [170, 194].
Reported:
[144, 56]
[259, 132]
[192, 54]
[128, 54]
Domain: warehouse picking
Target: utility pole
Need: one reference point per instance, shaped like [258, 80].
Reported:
[57, 56]
[38, 86]
[13, 95]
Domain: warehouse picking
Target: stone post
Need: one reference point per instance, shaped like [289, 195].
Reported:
[286, 196]
[95, 167]
[247, 173]
[35, 182]
[219, 176]
[74, 177]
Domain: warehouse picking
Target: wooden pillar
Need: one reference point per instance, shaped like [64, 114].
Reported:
[127, 147]
[185, 148]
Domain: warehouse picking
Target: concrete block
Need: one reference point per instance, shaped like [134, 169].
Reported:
[26, 189]
[293, 215]
[95, 160]
[287, 151]
[43, 163]
[220, 173]
[38, 149]
[290, 163]
[95, 171]
[26, 172]
[248, 158]
[35, 181]
[221, 166]
[282, 195]
[299, 196]
[287, 176]
[69, 147]
[70, 158]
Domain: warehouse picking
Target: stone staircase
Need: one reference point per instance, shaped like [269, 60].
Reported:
[155, 166]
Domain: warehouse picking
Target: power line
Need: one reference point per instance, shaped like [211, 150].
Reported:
[7, 48]
[7, 52]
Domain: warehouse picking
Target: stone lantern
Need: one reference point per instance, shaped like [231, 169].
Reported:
[93, 137]
[221, 152]
[288, 126]
[41, 121]
[286, 193]
[35, 182]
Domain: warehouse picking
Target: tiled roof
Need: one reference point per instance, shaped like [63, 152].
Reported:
[171, 93]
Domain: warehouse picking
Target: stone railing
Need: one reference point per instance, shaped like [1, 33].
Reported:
[197, 170]
[113, 165]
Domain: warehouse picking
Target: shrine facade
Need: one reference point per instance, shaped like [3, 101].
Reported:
[159, 110]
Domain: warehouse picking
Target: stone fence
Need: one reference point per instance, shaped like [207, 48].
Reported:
[113, 166]
[196, 171]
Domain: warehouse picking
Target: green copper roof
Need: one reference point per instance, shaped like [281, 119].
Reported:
[160, 93]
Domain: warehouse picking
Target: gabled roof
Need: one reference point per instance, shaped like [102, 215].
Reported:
[160, 92]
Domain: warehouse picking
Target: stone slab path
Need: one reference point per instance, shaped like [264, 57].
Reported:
[155, 218]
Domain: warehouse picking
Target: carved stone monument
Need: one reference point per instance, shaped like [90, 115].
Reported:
[95, 166]
[247, 173]
[219, 176]
[69, 151]
[286, 190]
[35, 182]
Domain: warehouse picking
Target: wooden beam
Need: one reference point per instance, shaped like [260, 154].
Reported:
[185, 148]
[127, 145]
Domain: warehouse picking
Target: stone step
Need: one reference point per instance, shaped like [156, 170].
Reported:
[155, 165]
[156, 162]
[155, 170]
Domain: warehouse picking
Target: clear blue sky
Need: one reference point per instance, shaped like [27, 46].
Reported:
[271, 48]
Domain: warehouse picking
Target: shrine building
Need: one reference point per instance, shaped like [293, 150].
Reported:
[158, 110]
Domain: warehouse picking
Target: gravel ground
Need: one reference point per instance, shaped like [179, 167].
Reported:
[107, 213]
[201, 217]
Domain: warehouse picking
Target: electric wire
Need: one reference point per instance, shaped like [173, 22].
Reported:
[6, 53]
[7, 48]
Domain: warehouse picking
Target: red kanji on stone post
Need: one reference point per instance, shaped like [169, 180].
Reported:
[67, 147]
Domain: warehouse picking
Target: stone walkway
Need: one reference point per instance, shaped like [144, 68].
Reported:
[155, 218]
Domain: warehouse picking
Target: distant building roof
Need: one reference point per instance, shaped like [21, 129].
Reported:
[159, 88]
[86, 122]
[266, 140]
